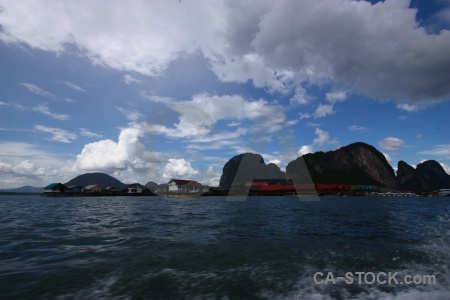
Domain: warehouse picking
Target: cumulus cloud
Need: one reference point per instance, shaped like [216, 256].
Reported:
[277, 45]
[305, 150]
[22, 162]
[323, 137]
[323, 110]
[178, 168]
[391, 144]
[109, 155]
[336, 96]
[58, 134]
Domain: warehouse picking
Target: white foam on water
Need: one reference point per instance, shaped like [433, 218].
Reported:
[100, 290]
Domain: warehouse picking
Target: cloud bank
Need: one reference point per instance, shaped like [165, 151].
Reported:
[378, 50]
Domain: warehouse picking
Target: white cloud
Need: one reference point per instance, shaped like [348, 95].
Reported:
[198, 116]
[391, 144]
[225, 107]
[336, 96]
[155, 98]
[75, 87]
[25, 164]
[58, 135]
[322, 137]
[446, 168]
[304, 116]
[275, 161]
[131, 114]
[233, 124]
[38, 91]
[388, 157]
[213, 177]
[357, 128]
[305, 149]
[275, 44]
[128, 79]
[85, 132]
[179, 168]
[43, 108]
[4, 103]
[438, 150]
[410, 107]
[123, 37]
[323, 110]
[109, 155]
[300, 96]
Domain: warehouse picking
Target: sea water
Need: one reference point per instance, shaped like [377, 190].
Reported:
[211, 248]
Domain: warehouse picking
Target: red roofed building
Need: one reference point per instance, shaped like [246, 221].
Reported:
[184, 186]
[333, 189]
[255, 183]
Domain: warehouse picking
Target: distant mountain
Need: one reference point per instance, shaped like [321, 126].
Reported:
[249, 167]
[24, 189]
[357, 163]
[151, 185]
[426, 177]
[102, 179]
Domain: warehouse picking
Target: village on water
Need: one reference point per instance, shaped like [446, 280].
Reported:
[182, 187]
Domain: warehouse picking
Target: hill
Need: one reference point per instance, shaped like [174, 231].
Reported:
[151, 185]
[102, 179]
[24, 189]
[426, 177]
[357, 163]
[249, 167]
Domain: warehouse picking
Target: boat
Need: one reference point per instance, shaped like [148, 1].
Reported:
[443, 193]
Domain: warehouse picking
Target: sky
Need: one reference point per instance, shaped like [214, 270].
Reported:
[154, 90]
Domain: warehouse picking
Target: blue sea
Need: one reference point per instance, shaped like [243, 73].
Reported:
[212, 248]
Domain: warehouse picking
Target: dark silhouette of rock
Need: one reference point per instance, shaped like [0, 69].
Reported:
[151, 185]
[249, 167]
[357, 163]
[426, 177]
[434, 175]
[102, 179]
[409, 179]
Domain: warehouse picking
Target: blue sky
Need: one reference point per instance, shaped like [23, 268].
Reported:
[153, 90]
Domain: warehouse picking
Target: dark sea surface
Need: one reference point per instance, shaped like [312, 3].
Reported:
[211, 248]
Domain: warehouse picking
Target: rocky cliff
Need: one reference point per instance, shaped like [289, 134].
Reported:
[357, 163]
[249, 167]
[427, 177]
[409, 179]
